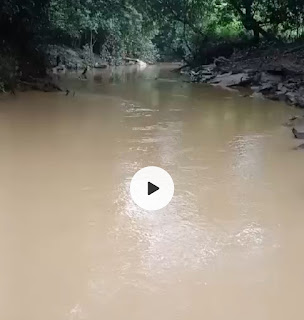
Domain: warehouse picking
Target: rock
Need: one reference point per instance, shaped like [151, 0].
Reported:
[257, 95]
[273, 75]
[294, 98]
[236, 71]
[270, 78]
[205, 67]
[271, 86]
[230, 80]
[194, 73]
[291, 86]
[267, 87]
[290, 97]
[221, 60]
[299, 101]
[206, 78]
[273, 96]
[293, 118]
[281, 95]
[297, 122]
[205, 72]
[203, 75]
[298, 132]
[283, 68]
[256, 78]
[301, 91]
[287, 124]
[294, 121]
[281, 88]
[300, 147]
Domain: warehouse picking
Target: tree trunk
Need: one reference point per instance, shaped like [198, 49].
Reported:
[249, 21]
[91, 47]
[256, 36]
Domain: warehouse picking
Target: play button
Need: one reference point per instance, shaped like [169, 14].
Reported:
[152, 188]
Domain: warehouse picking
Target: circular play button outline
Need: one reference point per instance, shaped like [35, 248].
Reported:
[152, 188]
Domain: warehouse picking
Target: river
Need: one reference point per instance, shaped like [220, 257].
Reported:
[74, 246]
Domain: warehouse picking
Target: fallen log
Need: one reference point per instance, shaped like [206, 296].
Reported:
[100, 66]
[137, 61]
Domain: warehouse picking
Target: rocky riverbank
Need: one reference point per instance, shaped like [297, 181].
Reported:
[53, 60]
[276, 74]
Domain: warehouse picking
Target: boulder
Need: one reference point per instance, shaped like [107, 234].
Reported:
[282, 89]
[230, 80]
[270, 78]
[205, 74]
[267, 87]
[299, 101]
[273, 96]
[298, 132]
[295, 98]
[206, 78]
[290, 97]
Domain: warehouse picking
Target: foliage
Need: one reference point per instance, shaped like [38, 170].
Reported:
[8, 72]
[111, 28]
[143, 29]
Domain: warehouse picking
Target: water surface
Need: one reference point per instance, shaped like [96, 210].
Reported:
[74, 246]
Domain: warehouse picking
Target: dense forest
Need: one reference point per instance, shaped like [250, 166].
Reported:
[194, 31]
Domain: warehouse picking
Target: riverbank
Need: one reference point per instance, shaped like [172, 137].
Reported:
[55, 60]
[72, 58]
[272, 73]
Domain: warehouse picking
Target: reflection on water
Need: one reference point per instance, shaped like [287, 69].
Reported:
[74, 245]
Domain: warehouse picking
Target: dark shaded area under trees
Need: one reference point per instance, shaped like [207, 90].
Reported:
[195, 31]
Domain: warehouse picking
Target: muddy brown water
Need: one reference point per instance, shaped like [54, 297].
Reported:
[74, 246]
